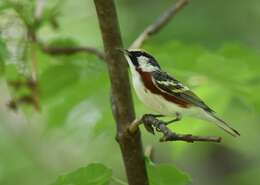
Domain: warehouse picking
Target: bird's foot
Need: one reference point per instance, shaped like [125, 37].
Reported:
[150, 118]
[151, 128]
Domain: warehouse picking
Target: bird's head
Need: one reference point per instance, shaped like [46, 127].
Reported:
[141, 60]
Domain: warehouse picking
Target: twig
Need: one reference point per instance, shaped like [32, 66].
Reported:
[34, 88]
[151, 122]
[74, 50]
[34, 64]
[133, 127]
[159, 23]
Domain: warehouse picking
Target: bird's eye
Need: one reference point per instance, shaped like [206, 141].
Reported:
[133, 60]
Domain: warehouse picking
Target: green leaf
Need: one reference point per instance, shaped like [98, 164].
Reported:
[163, 174]
[67, 81]
[57, 78]
[93, 174]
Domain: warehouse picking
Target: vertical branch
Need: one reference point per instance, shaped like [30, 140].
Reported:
[34, 86]
[122, 105]
[34, 62]
[39, 7]
[33, 79]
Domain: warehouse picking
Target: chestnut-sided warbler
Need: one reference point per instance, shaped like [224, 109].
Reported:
[164, 94]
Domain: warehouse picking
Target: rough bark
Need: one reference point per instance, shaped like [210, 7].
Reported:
[122, 104]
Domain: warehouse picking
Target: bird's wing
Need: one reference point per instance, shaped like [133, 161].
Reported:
[175, 88]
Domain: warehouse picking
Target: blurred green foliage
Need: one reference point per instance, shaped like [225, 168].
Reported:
[93, 174]
[165, 174]
[212, 48]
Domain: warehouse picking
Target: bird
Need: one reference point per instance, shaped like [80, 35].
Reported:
[164, 94]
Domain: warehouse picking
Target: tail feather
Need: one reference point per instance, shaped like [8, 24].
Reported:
[222, 124]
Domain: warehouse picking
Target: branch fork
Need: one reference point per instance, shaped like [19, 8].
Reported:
[151, 123]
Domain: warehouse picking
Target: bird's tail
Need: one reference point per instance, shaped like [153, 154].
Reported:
[222, 124]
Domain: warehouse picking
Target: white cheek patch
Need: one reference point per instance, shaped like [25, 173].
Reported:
[145, 65]
[143, 59]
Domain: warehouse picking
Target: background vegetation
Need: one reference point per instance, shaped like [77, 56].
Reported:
[212, 46]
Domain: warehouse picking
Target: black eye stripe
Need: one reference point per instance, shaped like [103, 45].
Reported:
[134, 60]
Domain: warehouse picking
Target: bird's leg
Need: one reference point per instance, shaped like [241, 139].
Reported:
[178, 118]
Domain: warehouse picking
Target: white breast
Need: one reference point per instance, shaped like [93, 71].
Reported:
[153, 101]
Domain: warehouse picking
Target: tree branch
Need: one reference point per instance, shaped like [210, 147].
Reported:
[39, 7]
[73, 50]
[151, 122]
[121, 99]
[159, 23]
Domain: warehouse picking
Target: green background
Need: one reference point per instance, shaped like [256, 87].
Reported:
[212, 46]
